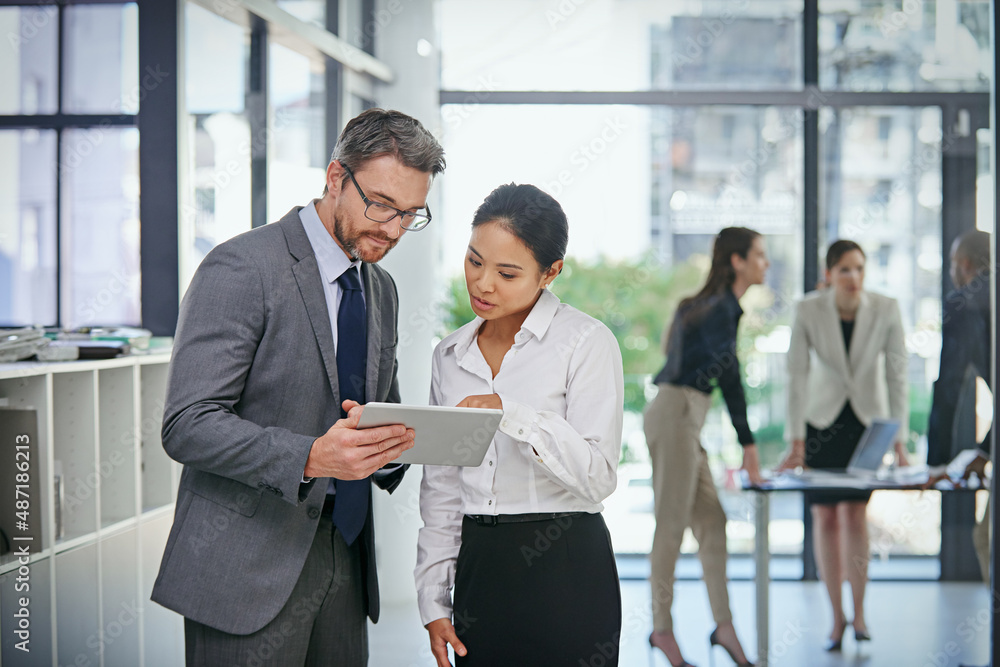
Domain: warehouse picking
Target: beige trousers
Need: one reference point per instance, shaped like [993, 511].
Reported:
[684, 496]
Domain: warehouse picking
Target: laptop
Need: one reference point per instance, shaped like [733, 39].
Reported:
[866, 460]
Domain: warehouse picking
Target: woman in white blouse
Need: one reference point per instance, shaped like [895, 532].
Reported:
[520, 538]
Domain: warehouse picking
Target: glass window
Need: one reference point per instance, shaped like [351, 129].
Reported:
[608, 45]
[101, 60]
[880, 185]
[30, 65]
[985, 197]
[216, 205]
[99, 171]
[27, 227]
[297, 157]
[631, 259]
[906, 46]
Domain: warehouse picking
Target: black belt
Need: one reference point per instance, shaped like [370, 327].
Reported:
[494, 519]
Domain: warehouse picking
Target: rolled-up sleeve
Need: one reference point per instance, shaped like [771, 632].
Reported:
[579, 452]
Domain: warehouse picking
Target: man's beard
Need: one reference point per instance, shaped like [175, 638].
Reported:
[350, 243]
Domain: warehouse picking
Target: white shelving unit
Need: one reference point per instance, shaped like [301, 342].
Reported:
[99, 430]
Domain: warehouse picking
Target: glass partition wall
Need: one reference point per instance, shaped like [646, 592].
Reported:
[656, 124]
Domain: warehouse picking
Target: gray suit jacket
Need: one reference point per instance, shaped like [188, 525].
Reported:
[252, 383]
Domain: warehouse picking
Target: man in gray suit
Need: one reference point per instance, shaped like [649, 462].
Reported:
[283, 332]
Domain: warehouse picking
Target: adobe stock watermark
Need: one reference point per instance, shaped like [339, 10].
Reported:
[208, 531]
[127, 617]
[544, 539]
[693, 48]
[90, 139]
[562, 12]
[877, 211]
[968, 630]
[118, 285]
[33, 21]
[364, 35]
[86, 486]
[892, 23]
[454, 114]
[586, 154]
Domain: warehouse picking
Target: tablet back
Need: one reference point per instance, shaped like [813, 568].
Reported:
[443, 435]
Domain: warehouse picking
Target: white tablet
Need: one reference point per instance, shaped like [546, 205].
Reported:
[443, 435]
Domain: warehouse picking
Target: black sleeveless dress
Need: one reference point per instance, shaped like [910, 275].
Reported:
[831, 448]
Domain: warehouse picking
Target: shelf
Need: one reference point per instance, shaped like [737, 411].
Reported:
[74, 447]
[99, 450]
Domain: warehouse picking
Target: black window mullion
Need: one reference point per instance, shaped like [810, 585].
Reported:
[810, 213]
[256, 106]
[159, 210]
[60, 74]
[958, 215]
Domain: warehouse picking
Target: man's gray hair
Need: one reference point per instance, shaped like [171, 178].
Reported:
[377, 132]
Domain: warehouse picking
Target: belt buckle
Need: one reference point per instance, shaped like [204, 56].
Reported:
[487, 519]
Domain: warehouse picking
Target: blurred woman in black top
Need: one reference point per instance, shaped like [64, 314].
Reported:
[701, 354]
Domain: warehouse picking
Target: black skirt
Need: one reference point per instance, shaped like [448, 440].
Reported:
[539, 593]
[831, 448]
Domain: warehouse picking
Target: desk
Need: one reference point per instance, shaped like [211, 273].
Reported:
[762, 547]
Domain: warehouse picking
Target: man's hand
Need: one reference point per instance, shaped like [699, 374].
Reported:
[482, 401]
[751, 463]
[978, 466]
[345, 452]
[442, 633]
[796, 456]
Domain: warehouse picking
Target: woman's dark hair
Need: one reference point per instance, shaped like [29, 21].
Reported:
[838, 249]
[531, 215]
[728, 242]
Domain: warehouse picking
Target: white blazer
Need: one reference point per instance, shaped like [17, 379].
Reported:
[821, 376]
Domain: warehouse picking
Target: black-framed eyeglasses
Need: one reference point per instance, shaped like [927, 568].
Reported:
[376, 211]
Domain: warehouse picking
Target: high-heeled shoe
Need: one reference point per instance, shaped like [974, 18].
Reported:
[652, 647]
[862, 636]
[713, 641]
[832, 645]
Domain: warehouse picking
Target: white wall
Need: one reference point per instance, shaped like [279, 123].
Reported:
[413, 263]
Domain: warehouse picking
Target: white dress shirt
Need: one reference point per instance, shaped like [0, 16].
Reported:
[332, 261]
[558, 444]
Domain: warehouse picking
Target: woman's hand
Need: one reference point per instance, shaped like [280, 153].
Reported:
[796, 456]
[442, 633]
[751, 463]
[901, 459]
[482, 401]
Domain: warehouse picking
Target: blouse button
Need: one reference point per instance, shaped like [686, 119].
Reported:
[491, 463]
[520, 431]
[490, 503]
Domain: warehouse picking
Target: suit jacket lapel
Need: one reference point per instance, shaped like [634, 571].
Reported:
[863, 323]
[836, 332]
[310, 284]
[373, 297]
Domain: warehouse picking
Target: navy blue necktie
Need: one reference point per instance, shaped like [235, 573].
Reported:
[350, 508]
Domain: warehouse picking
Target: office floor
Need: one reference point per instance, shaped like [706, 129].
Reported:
[913, 624]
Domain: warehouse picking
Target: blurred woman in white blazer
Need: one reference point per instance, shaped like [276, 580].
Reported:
[846, 365]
